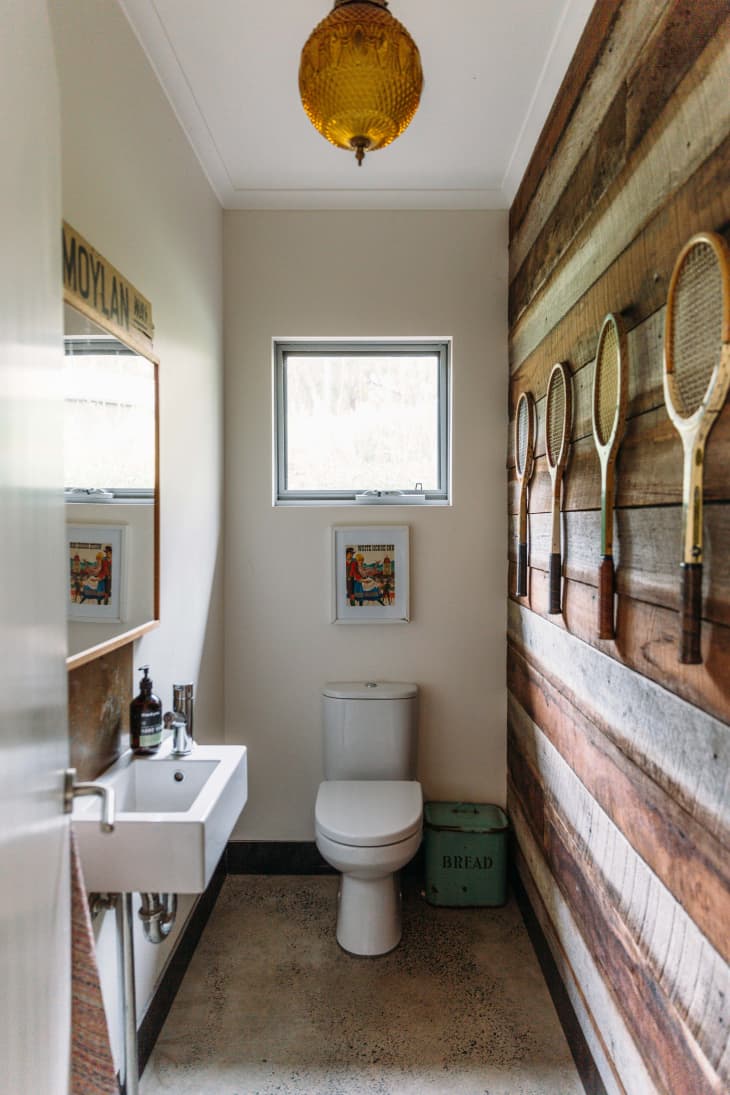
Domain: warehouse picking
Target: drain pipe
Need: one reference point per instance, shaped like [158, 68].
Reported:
[157, 913]
[129, 1066]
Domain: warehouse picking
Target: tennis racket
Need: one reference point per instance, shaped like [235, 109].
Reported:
[696, 379]
[525, 461]
[610, 399]
[558, 424]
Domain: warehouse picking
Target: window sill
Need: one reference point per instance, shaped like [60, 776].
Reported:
[339, 503]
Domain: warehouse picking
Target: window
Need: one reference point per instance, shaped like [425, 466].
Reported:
[361, 416]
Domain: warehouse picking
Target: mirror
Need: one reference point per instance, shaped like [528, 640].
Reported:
[111, 489]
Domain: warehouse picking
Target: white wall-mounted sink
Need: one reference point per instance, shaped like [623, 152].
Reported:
[174, 816]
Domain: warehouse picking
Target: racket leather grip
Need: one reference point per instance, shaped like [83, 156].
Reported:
[605, 598]
[690, 614]
[522, 570]
[556, 566]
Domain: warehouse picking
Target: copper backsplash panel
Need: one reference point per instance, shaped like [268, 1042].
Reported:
[99, 694]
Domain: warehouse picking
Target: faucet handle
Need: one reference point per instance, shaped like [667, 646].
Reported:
[182, 696]
[182, 723]
[182, 704]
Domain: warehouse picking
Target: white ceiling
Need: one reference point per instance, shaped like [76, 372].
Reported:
[230, 70]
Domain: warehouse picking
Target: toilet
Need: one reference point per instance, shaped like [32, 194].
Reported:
[369, 809]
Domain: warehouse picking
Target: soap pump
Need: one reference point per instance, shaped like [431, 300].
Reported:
[145, 717]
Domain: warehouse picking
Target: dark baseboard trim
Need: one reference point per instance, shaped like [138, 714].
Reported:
[166, 992]
[290, 857]
[275, 857]
[586, 1066]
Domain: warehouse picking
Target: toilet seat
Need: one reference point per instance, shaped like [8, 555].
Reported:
[369, 813]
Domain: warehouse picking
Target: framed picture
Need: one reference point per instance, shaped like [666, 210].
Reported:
[371, 574]
[95, 557]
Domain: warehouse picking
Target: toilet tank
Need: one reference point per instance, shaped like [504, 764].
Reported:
[369, 730]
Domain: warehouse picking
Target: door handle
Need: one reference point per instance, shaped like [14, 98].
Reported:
[72, 789]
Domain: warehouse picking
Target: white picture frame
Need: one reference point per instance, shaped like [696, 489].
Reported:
[370, 574]
[95, 572]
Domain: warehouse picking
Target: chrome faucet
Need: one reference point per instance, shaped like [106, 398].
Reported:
[180, 719]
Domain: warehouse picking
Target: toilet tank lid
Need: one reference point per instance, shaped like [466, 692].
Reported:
[370, 690]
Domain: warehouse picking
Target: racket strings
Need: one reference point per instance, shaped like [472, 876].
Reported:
[523, 435]
[607, 378]
[696, 327]
[555, 412]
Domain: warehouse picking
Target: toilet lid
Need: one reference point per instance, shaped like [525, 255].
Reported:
[369, 813]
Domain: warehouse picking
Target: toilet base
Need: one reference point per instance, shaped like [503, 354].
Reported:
[369, 914]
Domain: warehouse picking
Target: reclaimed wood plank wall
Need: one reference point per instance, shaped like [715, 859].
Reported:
[618, 754]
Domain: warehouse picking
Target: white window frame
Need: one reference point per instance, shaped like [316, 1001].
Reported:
[353, 347]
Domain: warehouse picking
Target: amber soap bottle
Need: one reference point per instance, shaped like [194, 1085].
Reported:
[145, 718]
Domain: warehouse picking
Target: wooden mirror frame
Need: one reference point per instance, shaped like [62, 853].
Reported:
[93, 287]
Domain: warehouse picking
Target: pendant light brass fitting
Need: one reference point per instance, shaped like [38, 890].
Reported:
[360, 76]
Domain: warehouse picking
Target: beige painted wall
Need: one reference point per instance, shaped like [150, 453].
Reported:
[134, 189]
[364, 274]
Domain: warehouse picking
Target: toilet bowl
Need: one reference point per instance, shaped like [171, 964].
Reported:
[368, 830]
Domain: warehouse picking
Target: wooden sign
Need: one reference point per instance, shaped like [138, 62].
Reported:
[97, 289]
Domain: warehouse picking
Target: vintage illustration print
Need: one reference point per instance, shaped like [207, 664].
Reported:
[94, 559]
[371, 574]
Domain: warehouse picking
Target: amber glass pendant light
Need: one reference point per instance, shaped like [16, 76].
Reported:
[360, 76]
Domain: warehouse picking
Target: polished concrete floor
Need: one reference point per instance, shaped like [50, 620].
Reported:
[270, 1004]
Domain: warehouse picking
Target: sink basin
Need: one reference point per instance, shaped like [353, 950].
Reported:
[174, 816]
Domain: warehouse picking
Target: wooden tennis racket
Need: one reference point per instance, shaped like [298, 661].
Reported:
[558, 424]
[610, 399]
[696, 380]
[525, 462]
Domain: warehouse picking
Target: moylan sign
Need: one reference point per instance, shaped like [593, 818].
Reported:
[98, 290]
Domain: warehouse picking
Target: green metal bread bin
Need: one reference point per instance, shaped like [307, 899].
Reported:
[466, 853]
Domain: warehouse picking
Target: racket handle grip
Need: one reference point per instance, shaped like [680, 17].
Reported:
[690, 614]
[556, 566]
[605, 598]
[522, 570]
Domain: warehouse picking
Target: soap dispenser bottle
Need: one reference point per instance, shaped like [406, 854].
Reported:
[145, 718]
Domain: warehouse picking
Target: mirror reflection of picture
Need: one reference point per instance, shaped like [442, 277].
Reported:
[95, 555]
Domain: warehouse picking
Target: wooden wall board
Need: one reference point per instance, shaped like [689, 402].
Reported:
[672, 1054]
[682, 748]
[639, 100]
[669, 53]
[590, 83]
[684, 965]
[619, 755]
[601, 163]
[645, 351]
[649, 468]
[690, 862]
[635, 283]
[619, 1034]
[646, 553]
[692, 124]
[605, 1079]
[99, 695]
[647, 638]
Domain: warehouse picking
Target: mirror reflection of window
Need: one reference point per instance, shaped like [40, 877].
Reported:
[110, 457]
[109, 419]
